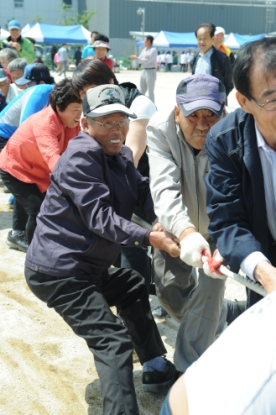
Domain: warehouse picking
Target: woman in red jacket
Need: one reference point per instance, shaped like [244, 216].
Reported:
[33, 150]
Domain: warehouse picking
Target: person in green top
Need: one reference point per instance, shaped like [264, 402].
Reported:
[15, 41]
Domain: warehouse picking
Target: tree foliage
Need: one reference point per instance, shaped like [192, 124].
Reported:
[37, 19]
[69, 17]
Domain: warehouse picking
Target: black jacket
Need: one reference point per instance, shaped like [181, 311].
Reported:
[221, 68]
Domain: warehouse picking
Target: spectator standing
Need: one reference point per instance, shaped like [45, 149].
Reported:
[190, 57]
[163, 60]
[77, 56]
[53, 52]
[147, 59]
[88, 50]
[169, 61]
[210, 60]
[183, 61]
[219, 45]
[101, 48]
[158, 61]
[63, 59]
[23, 46]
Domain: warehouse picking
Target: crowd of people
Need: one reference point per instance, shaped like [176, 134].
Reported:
[82, 155]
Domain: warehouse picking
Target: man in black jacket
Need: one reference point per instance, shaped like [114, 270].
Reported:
[210, 60]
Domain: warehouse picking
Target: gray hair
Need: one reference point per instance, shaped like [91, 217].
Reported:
[8, 54]
[17, 64]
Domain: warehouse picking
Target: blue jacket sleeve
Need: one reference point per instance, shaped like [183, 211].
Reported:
[227, 202]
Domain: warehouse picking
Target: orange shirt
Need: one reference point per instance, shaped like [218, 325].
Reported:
[33, 150]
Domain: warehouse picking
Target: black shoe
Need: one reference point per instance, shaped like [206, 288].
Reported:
[159, 312]
[155, 381]
[17, 242]
[234, 309]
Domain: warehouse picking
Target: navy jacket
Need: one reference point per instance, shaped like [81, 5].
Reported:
[221, 68]
[86, 214]
[235, 191]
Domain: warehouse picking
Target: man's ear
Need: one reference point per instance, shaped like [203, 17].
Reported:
[84, 124]
[243, 101]
[177, 114]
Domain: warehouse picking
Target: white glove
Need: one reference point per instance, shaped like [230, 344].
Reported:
[211, 265]
[191, 249]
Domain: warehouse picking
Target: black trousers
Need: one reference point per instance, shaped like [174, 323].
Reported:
[29, 197]
[84, 303]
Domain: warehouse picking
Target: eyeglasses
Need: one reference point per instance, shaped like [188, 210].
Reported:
[267, 106]
[107, 125]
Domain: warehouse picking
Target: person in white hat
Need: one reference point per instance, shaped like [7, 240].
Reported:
[219, 45]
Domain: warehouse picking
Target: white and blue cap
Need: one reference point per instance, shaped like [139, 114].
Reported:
[104, 100]
[14, 24]
[201, 91]
[33, 72]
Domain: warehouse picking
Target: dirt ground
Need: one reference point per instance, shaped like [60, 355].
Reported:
[44, 368]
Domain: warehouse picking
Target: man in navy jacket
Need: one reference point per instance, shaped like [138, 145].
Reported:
[241, 184]
[210, 60]
[84, 220]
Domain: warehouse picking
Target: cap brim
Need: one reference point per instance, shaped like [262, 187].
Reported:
[3, 79]
[202, 104]
[23, 81]
[110, 109]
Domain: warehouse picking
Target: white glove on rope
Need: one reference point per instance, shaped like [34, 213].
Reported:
[191, 249]
[211, 265]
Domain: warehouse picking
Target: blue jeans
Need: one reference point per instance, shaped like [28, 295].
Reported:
[166, 410]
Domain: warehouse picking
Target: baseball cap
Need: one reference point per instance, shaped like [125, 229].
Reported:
[219, 30]
[100, 44]
[103, 100]
[14, 24]
[33, 72]
[3, 75]
[201, 91]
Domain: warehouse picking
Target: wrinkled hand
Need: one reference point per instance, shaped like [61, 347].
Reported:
[212, 263]
[165, 242]
[157, 226]
[192, 247]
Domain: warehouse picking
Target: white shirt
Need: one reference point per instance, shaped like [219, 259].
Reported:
[148, 58]
[203, 64]
[237, 373]
[268, 162]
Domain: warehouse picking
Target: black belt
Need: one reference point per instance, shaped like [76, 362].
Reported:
[149, 68]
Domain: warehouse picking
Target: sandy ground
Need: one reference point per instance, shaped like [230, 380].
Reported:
[44, 368]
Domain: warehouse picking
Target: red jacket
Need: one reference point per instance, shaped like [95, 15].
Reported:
[33, 150]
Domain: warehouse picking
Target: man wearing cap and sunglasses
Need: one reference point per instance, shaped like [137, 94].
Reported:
[23, 46]
[178, 167]
[83, 221]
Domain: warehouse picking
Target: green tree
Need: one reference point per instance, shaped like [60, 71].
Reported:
[37, 19]
[69, 17]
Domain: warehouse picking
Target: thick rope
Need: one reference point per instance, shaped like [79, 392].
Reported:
[252, 285]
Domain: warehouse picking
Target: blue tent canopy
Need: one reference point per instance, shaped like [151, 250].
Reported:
[173, 39]
[58, 34]
[184, 40]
